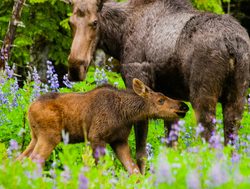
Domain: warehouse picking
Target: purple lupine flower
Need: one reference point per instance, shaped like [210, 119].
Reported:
[163, 172]
[14, 88]
[66, 81]
[149, 151]
[35, 174]
[13, 145]
[174, 133]
[9, 72]
[233, 138]
[99, 151]
[215, 141]
[3, 97]
[193, 180]
[65, 136]
[37, 84]
[235, 157]
[66, 174]
[83, 181]
[100, 77]
[199, 130]
[218, 174]
[12, 148]
[52, 77]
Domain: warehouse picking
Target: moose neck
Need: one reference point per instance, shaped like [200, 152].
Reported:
[112, 24]
[133, 107]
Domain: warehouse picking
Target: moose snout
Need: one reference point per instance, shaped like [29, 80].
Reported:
[77, 72]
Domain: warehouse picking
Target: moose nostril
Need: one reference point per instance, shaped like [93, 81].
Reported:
[184, 107]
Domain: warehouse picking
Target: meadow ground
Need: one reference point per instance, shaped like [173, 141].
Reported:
[194, 164]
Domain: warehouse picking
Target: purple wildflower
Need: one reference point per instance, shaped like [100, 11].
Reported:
[36, 173]
[199, 130]
[163, 172]
[66, 174]
[149, 151]
[235, 157]
[52, 77]
[37, 84]
[9, 71]
[83, 181]
[215, 141]
[193, 180]
[12, 148]
[99, 151]
[218, 174]
[14, 88]
[66, 81]
[100, 77]
[3, 97]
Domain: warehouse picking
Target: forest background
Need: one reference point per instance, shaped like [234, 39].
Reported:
[43, 32]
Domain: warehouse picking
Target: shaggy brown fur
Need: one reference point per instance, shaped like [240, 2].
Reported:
[104, 115]
[186, 54]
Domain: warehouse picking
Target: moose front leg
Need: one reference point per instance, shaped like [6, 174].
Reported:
[144, 72]
[123, 154]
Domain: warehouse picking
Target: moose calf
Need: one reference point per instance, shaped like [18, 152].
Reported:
[103, 115]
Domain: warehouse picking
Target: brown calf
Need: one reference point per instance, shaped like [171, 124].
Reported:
[104, 115]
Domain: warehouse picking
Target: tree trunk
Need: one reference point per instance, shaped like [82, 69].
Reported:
[39, 55]
[10, 35]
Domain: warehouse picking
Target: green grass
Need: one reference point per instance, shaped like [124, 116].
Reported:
[192, 165]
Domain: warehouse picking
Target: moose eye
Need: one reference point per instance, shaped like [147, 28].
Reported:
[161, 101]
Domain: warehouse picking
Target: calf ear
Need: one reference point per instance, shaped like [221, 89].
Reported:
[100, 4]
[140, 88]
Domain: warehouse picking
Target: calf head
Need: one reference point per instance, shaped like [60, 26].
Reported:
[159, 105]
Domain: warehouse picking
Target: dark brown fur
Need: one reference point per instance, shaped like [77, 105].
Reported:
[101, 116]
[186, 54]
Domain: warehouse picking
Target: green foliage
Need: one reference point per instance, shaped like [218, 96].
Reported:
[209, 5]
[42, 22]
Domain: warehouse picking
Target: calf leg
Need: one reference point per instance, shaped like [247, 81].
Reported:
[44, 146]
[30, 147]
[28, 150]
[123, 153]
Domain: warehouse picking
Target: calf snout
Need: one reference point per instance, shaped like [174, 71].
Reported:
[183, 108]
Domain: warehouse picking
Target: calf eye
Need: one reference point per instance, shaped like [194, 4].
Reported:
[94, 24]
[161, 101]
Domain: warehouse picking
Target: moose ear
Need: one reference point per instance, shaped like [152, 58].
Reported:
[140, 88]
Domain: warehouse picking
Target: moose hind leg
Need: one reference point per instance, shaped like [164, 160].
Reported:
[232, 114]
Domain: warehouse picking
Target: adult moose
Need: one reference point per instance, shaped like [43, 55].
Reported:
[173, 48]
